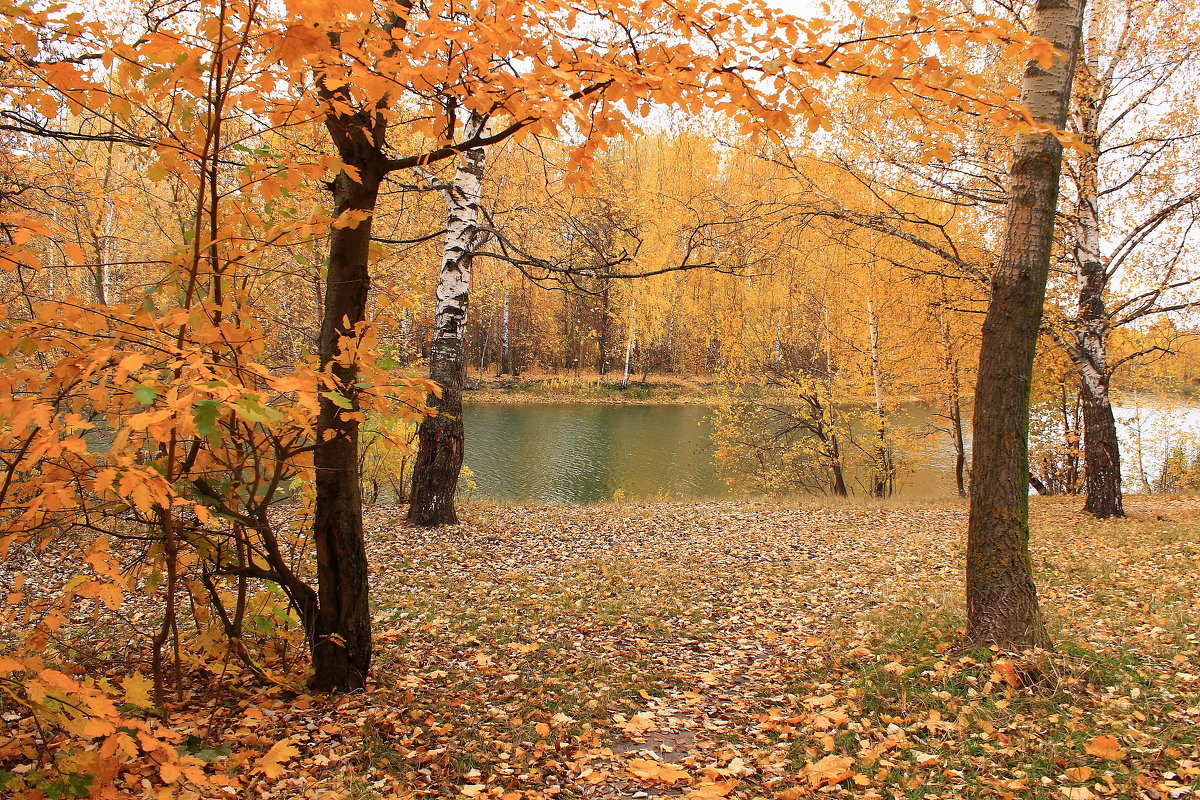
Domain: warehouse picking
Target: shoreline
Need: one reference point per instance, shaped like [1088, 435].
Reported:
[682, 390]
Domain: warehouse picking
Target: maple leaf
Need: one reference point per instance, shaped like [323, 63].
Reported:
[1106, 747]
[137, 690]
[711, 790]
[656, 771]
[638, 723]
[830, 770]
[271, 763]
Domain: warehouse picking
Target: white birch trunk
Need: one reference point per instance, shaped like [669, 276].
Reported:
[505, 346]
[632, 341]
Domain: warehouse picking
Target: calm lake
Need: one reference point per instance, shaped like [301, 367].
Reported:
[578, 453]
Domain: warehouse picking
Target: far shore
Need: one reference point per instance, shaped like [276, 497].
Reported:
[546, 388]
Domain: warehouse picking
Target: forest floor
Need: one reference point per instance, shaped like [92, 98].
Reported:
[733, 650]
[750, 650]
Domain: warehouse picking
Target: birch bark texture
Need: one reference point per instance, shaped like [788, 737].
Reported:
[1088, 350]
[1002, 605]
[440, 438]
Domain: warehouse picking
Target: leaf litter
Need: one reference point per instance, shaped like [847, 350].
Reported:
[738, 650]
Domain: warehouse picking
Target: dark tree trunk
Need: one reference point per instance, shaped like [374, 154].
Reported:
[440, 445]
[1002, 605]
[341, 635]
[1101, 454]
[960, 447]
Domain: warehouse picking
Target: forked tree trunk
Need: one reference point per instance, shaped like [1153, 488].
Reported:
[440, 447]
[341, 635]
[1002, 605]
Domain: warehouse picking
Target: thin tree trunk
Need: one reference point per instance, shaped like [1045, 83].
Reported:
[602, 334]
[954, 406]
[440, 446]
[630, 343]
[1101, 450]
[885, 472]
[1002, 605]
[505, 340]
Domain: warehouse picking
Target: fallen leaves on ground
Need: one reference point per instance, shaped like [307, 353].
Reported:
[738, 650]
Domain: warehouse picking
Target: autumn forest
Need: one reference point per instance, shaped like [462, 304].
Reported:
[836, 361]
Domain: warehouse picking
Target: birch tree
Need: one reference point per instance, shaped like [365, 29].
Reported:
[440, 448]
[1136, 191]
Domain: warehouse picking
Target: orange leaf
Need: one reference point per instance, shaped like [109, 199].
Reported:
[829, 770]
[656, 771]
[1106, 747]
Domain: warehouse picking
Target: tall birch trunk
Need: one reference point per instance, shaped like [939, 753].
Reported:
[954, 405]
[884, 479]
[505, 342]
[630, 343]
[1089, 350]
[1002, 605]
[440, 438]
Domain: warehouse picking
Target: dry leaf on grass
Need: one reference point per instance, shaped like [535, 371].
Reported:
[1106, 747]
[1077, 793]
[829, 770]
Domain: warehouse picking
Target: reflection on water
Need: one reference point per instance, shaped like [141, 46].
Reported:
[591, 453]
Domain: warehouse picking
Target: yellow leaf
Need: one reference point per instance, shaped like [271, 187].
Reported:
[169, 772]
[271, 764]
[640, 723]
[137, 690]
[1105, 747]
[73, 252]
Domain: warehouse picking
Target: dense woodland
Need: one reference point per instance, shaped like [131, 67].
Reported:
[253, 257]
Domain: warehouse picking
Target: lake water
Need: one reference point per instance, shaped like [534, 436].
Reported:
[577, 453]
